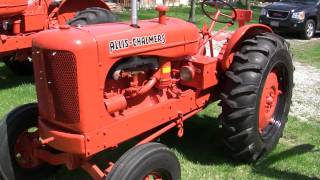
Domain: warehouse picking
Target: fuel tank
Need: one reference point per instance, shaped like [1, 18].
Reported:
[12, 7]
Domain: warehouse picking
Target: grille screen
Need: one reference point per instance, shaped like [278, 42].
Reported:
[61, 72]
[278, 14]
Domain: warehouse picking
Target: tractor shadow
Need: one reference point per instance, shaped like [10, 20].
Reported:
[202, 144]
[263, 167]
[8, 79]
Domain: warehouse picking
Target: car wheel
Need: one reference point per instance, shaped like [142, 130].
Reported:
[309, 29]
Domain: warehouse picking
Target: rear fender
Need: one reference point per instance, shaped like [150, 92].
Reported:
[69, 8]
[236, 39]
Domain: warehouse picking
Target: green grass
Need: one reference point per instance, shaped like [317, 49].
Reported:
[199, 151]
[308, 53]
[14, 90]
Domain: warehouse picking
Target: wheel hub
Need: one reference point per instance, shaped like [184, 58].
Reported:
[269, 100]
[153, 176]
[310, 29]
[24, 150]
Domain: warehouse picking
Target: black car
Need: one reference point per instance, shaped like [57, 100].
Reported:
[300, 16]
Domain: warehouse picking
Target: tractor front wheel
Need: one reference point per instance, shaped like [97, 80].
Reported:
[146, 162]
[18, 131]
[256, 96]
[19, 67]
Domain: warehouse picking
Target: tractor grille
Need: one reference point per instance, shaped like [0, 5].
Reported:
[61, 74]
[278, 14]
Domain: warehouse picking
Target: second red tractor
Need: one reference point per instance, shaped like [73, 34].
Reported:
[20, 20]
[99, 86]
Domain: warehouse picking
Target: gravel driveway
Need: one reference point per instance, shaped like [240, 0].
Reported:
[306, 93]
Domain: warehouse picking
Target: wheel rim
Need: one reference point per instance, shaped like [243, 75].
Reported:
[158, 175]
[269, 101]
[310, 29]
[153, 176]
[24, 149]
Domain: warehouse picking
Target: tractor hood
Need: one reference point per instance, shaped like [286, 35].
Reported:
[176, 38]
[151, 38]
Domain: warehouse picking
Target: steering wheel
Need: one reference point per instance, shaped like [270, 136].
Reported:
[215, 5]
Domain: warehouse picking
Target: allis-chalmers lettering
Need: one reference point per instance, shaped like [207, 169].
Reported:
[137, 42]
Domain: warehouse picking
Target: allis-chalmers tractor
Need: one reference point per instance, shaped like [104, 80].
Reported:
[99, 86]
[21, 19]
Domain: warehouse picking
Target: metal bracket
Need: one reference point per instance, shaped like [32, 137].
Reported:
[109, 168]
[180, 124]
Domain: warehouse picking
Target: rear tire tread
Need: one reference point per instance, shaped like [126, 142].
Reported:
[233, 77]
[248, 89]
[93, 15]
[241, 57]
[250, 61]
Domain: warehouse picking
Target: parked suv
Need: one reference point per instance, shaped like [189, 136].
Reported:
[300, 16]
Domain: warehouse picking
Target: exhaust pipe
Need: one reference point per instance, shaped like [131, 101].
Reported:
[134, 14]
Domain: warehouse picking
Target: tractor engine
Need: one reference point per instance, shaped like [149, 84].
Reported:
[140, 82]
[128, 82]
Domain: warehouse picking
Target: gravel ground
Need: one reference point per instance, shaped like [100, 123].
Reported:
[306, 94]
[296, 42]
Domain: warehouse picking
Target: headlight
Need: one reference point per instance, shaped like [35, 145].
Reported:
[263, 12]
[299, 15]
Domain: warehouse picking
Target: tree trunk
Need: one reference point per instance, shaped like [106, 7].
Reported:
[248, 4]
[192, 11]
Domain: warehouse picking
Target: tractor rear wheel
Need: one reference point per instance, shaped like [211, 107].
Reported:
[18, 67]
[17, 132]
[93, 15]
[256, 96]
[145, 162]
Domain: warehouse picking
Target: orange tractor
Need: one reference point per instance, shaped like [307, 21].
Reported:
[99, 86]
[21, 19]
